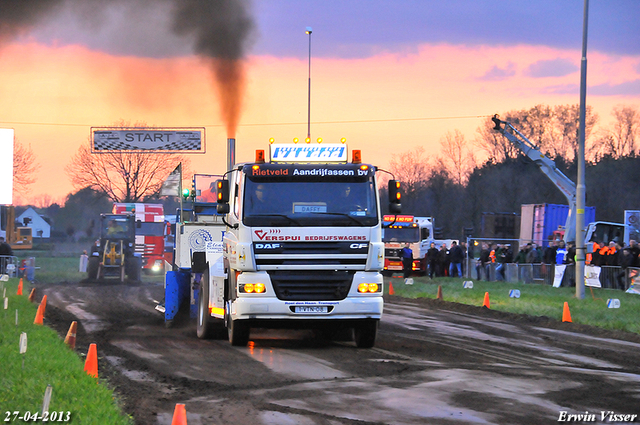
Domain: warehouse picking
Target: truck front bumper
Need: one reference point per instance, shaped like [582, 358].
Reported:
[267, 306]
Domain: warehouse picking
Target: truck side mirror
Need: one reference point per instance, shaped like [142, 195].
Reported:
[222, 191]
[395, 205]
[222, 209]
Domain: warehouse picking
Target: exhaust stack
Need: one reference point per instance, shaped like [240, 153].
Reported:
[231, 153]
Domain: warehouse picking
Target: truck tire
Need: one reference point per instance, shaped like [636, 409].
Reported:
[238, 331]
[364, 333]
[93, 264]
[206, 327]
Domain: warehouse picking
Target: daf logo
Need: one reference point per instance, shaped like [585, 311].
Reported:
[358, 245]
[268, 245]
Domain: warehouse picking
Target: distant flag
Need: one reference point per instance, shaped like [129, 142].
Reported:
[171, 186]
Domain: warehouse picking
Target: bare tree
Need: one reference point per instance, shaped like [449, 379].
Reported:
[497, 147]
[565, 131]
[43, 201]
[621, 138]
[122, 176]
[458, 159]
[553, 130]
[24, 167]
[411, 168]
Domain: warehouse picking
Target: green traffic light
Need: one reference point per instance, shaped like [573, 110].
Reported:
[185, 193]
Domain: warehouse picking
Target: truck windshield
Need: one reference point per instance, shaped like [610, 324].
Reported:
[401, 234]
[310, 195]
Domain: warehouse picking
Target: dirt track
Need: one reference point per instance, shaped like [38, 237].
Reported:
[433, 363]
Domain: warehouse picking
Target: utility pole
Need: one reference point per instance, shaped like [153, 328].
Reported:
[580, 187]
[309, 31]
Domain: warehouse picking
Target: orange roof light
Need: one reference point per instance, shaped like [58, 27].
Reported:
[343, 140]
[271, 140]
[296, 140]
[319, 140]
[259, 156]
[356, 156]
[307, 140]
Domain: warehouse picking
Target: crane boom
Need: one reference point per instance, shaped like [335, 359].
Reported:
[547, 166]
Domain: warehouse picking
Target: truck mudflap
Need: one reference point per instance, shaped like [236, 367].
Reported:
[176, 292]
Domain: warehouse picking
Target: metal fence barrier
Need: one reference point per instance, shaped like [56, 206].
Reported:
[611, 277]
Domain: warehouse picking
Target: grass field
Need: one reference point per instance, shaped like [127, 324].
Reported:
[535, 300]
[47, 361]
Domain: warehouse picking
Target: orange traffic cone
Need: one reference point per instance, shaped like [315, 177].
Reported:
[439, 295]
[70, 339]
[486, 302]
[32, 295]
[20, 287]
[39, 316]
[43, 304]
[566, 314]
[91, 364]
[391, 291]
[179, 415]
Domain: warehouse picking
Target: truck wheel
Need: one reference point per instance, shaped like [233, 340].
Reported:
[364, 334]
[205, 328]
[238, 331]
[92, 268]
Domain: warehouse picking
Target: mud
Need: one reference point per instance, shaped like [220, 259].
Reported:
[434, 362]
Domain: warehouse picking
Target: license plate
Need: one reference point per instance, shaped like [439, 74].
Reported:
[315, 309]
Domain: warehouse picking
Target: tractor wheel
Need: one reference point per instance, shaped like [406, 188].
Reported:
[92, 268]
[134, 269]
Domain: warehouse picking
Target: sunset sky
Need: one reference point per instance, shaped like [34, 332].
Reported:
[387, 75]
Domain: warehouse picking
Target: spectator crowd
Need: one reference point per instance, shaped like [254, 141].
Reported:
[442, 261]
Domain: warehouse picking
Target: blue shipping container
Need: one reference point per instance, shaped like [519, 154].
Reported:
[550, 217]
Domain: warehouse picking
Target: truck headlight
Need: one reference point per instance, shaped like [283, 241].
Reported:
[252, 288]
[369, 287]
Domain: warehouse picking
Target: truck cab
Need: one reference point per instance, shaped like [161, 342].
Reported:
[303, 244]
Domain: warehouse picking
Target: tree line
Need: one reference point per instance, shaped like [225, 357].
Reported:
[456, 188]
[468, 178]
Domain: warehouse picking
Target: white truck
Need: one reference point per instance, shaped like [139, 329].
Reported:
[301, 246]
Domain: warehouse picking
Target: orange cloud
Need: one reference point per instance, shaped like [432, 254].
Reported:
[383, 105]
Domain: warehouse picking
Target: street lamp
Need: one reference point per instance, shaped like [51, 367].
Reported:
[309, 31]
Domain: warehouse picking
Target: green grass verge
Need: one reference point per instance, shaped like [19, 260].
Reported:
[535, 300]
[48, 361]
[66, 269]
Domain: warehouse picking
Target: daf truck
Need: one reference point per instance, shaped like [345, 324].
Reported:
[294, 242]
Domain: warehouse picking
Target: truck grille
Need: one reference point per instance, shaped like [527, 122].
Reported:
[318, 285]
[327, 256]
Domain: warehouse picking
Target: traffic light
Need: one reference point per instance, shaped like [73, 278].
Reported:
[395, 201]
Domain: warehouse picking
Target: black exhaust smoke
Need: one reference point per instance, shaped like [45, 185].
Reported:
[220, 31]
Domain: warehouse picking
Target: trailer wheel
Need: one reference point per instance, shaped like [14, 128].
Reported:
[364, 334]
[238, 331]
[205, 328]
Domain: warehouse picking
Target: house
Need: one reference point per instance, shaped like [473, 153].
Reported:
[30, 218]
